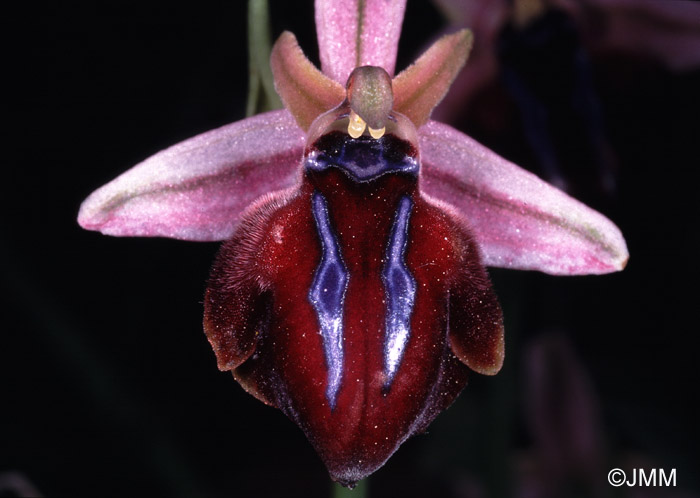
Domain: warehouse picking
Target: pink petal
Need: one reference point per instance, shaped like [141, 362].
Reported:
[520, 221]
[420, 87]
[353, 33]
[197, 189]
[305, 91]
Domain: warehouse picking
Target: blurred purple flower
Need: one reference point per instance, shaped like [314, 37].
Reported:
[571, 455]
[563, 415]
[666, 32]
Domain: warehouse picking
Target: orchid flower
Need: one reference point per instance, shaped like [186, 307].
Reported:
[351, 291]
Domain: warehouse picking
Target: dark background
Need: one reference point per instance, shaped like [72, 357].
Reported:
[109, 387]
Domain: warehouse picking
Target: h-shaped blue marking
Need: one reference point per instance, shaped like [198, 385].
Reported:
[327, 296]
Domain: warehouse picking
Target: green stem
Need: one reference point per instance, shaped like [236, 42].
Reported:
[359, 491]
[259, 60]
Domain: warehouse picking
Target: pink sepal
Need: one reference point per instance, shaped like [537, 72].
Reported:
[353, 33]
[519, 221]
[197, 189]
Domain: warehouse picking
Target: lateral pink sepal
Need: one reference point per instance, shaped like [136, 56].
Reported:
[354, 33]
[197, 189]
[519, 221]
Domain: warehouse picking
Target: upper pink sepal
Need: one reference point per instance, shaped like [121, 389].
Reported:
[421, 86]
[354, 33]
[306, 92]
[197, 189]
[519, 221]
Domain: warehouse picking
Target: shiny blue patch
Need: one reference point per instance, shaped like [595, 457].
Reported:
[327, 296]
[362, 158]
[400, 289]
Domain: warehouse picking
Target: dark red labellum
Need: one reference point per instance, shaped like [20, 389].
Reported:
[354, 304]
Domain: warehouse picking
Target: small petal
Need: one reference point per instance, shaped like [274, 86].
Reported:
[197, 189]
[305, 91]
[420, 87]
[485, 18]
[519, 221]
[354, 33]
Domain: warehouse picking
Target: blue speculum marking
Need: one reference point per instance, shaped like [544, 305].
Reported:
[362, 158]
[327, 296]
[400, 290]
